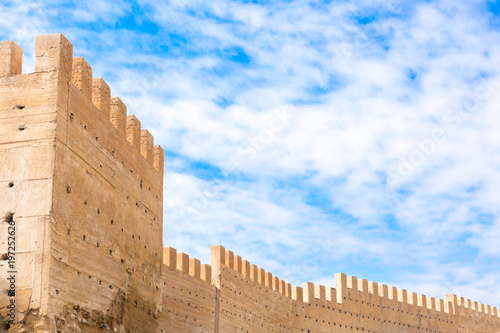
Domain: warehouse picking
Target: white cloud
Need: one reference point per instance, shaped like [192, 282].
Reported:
[364, 97]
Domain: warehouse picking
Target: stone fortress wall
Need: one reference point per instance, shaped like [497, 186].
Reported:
[83, 184]
[246, 298]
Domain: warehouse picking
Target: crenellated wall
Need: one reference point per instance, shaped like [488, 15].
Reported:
[189, 298]
[82, 182]
[87, 197]
[358, 304]
[249, 299]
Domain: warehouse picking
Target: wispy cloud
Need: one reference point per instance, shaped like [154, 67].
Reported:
[387, 169]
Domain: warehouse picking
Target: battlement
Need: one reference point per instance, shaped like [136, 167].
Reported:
[54, 55]
[182, 262]
[460, 304]
[361, 289]
[220, 256]
[346, 289]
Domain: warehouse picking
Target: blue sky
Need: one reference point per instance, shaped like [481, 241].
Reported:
[311, 137]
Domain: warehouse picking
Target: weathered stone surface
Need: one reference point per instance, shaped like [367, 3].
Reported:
[11, 59]
[87, 207]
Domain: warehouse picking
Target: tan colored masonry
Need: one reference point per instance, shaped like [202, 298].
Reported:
[84, 184]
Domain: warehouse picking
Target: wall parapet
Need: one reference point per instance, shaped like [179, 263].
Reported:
[362, 289]
[182, 262]
[352, 304]
[220, 256]
[54, 53]
[357, 288]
